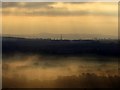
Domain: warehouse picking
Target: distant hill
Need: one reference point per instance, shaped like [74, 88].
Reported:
[65, 36]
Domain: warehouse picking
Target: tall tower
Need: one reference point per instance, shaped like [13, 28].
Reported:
[61, 37]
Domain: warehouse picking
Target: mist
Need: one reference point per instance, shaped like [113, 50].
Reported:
[50, 68]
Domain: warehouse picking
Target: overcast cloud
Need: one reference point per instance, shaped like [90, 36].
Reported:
[60, 8]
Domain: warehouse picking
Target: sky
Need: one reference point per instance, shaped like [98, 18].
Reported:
[30, 18]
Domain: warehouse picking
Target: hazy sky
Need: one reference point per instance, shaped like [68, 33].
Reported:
[59, 17]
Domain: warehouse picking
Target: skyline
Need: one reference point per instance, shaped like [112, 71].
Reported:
[53, 36]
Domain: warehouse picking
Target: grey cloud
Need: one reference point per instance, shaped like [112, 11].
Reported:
[60, 12]
[9, 4]
[34, 8]
[26, 5]
[33, 4]
[50, 12]
[38, 5]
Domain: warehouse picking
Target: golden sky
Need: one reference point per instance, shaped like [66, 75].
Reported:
[27, 18]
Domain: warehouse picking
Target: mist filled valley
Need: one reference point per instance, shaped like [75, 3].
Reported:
[53, 71]
[31, 63]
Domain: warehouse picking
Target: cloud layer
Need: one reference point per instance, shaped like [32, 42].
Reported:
[59, 8]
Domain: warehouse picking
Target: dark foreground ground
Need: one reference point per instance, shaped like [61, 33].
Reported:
[83, 81]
